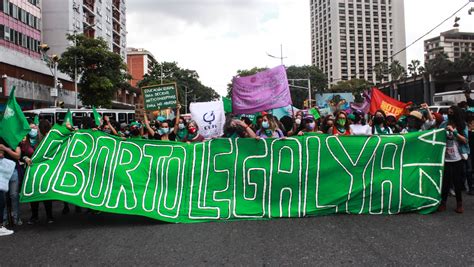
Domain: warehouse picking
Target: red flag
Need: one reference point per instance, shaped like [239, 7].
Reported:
[389, 105]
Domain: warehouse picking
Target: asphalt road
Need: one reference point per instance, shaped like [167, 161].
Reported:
[107, 239]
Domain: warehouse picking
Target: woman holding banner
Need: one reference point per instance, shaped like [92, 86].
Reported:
[342, 125]
[456, 149]
[193, 135]
[269, 128]
[380, 123]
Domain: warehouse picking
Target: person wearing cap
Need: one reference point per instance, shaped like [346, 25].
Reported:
[379, 123]
[342, 125]
[359, 127]
[135, 130]
[414, 122]
[308, 125]
[457, 149]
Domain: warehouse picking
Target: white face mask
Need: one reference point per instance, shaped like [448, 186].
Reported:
[298, 121]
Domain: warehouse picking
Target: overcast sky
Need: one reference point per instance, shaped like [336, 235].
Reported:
[218, 37]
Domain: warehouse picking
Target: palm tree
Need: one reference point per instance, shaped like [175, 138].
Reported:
[413, 67]
[380, 70]
[397, 71]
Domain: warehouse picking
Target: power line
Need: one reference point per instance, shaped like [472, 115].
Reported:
[437, 26]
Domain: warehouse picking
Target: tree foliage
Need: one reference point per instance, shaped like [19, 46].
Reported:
[318, 80]
[101, 71]
[442, 66]
[381, 69]
[186, 79]
[396, 70]
[354, 86]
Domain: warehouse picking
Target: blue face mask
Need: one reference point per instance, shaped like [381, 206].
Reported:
[33, 133]
[265, 125]
[164, 131]
[181, 126]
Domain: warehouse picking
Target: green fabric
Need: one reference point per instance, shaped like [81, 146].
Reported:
[36, 121]
[227, 104]
[14, 125]
[68, 118]
[239, 179]
[97, 117]
[315, 113]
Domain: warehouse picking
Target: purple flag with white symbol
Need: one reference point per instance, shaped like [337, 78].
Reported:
[263, 91]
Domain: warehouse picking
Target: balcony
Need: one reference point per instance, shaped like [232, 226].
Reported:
[89, 4]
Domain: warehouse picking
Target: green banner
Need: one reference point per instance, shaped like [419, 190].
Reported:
[239, 179]
[158, 97]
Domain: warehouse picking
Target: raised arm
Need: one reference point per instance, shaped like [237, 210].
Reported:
[147, 125]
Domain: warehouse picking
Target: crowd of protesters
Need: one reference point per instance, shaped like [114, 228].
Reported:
[458, 122]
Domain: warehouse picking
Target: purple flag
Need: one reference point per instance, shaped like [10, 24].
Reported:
[263, 91]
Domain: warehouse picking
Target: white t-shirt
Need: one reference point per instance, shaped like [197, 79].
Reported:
[359, 129]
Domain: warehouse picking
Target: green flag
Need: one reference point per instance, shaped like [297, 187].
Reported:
[68, 118]
[315, 113]
[36, 121]
[97, 117]
[227, 104]
[14, 126]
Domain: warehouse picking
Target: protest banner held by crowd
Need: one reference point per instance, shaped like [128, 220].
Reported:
[252, 142]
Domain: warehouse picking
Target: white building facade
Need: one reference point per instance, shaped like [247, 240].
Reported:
[348, 37]
[93, 18]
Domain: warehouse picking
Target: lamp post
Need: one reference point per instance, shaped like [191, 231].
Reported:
[52, 62]
[186, 92]
[281, 55]
[300, 87]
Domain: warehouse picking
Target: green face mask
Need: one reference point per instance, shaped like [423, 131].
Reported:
[341, 122]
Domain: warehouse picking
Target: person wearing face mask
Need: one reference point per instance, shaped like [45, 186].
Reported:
[359, 127]
[308, 125]
[414, 122]
[328, 123]
[269, 128]
[379, 124]
[107, 127]
[193, 135]
[135, 132]
[342, 126]
[27, 147]
[456, 146]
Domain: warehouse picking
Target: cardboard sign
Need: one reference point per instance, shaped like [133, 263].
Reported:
[159, 97]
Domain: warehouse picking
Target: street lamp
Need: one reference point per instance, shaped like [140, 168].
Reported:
[52, 62]
[300, 87]
[281, 54]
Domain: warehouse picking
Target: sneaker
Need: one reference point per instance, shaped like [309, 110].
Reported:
[50, 220]
[4, 231]
[452, 193]
[32, 220]
[442, 207]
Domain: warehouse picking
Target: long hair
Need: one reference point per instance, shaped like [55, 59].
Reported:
[457, 119]
[271, 122]
[346, 126]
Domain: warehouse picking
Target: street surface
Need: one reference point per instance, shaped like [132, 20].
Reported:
[106, 239]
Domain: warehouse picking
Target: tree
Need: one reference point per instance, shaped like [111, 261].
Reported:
[318, 79]
[465, 64]
[413, 67]
[186, 80]
[396, 70]
[103, 72]
[381, 70]
[355, 86]
[439, 65]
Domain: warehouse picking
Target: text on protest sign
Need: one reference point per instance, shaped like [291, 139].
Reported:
[159, 97]
[239, 179]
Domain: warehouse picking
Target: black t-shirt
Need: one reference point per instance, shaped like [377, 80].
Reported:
[171, 136]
